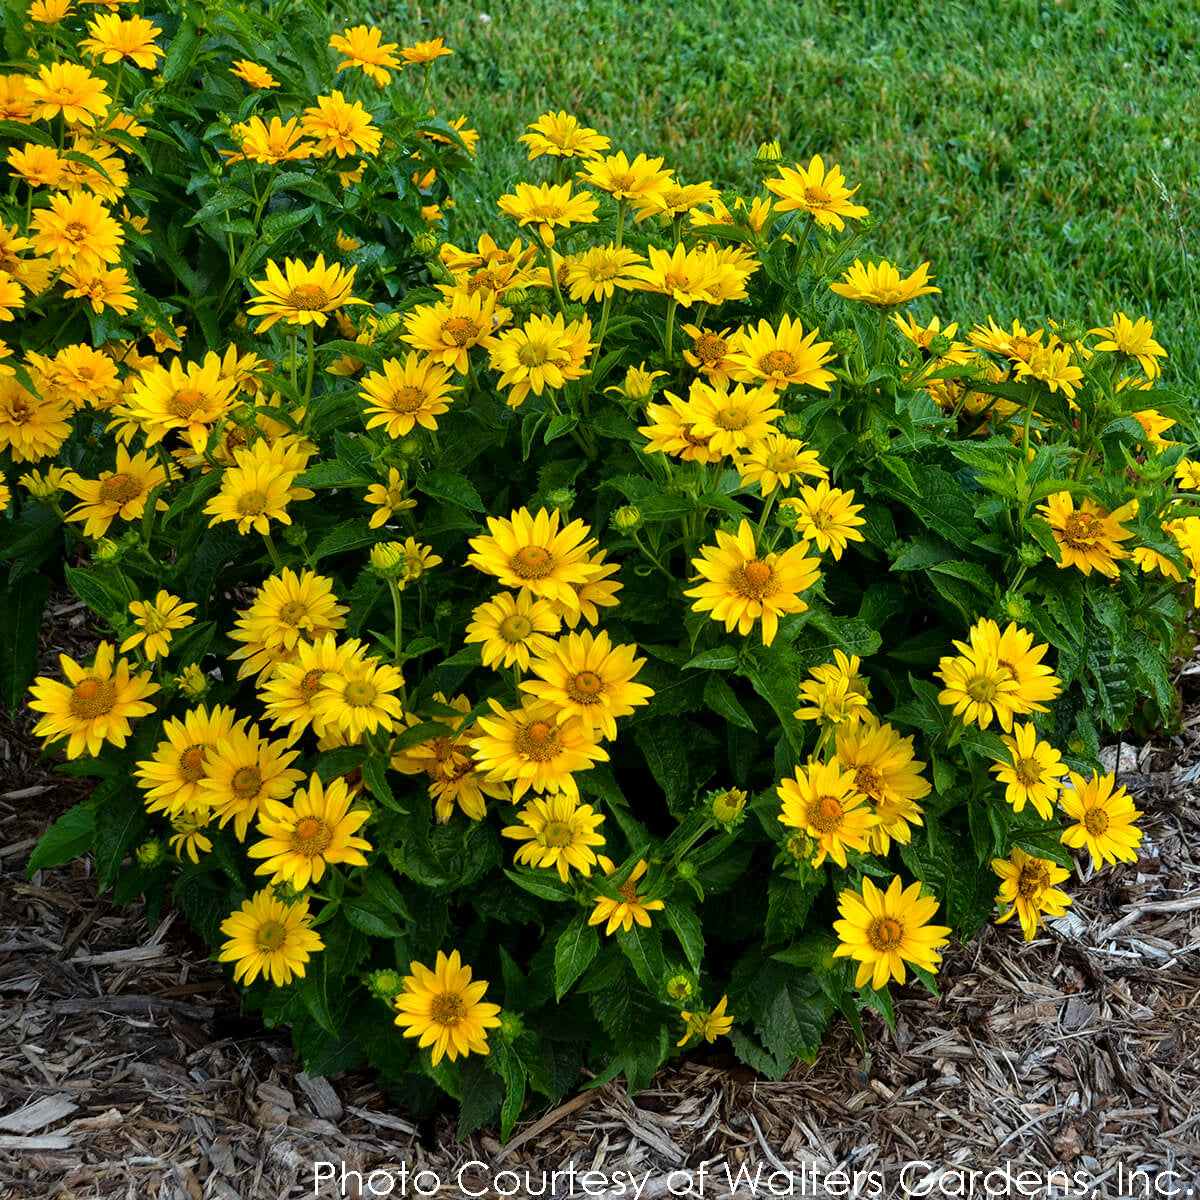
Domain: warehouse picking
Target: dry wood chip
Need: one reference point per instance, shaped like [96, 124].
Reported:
[38, 1115]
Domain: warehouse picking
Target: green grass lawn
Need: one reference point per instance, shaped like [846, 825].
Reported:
[1043, 160]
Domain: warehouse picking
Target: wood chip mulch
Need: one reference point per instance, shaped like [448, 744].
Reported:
[126, 1069]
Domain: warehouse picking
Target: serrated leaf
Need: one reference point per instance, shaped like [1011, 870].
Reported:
[719, 696]
[685, 924]
[643, 948]
[453, 488]
[573, 953]
[70, 836]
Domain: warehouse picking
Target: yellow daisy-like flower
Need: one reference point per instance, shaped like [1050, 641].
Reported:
[244, 770]
[1155, 425]
[94, 706]
[423, 53]
[86, 375]
[70, 89]
[525, 551]
[820, 193]
[359, 700]
[823, 800]
[270, 938]
[157, 621]
[1089, 537]
[77, 231]
[730, 421]
[270, 142]
[388, 498]
[559, 832]
[50, 12]
[38, 165]
[624, 180]
[12, 296]
[301, 295]
[781, 357]
[630, 908]
[546, 352]
[638, 384]
[31, 427]
[404, 394]
[548, 206]
[1017, 344]
[710, 353]
[190, 398]
[1033, 773]
[880, 284]
[882, 931]
[695, 276]
[444, 1009]
[121, 493]
[1053, 367]
[1027, 886]
[1134, 339]
[586, 676]
[599, 271]
[315, 828]
[512, 628]
[101, 289]
[1014, 651]
[835, 692]
[530, 748]
[252, 73]
[596, 592]
[188, 839]
[171, 776]
[706, 1023]
[1151, 560]
[288, 696]
[978, 688]
[1103, 819]
[887, 773]
[447, 331]
[674, 200]
[16, 104]
[560, 135]
[259, 487]
[114, 39]
[741, 586]
[364, 48]
[340, 127]
[827, 516]
[673, 432]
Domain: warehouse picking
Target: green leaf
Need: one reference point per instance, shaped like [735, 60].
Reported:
[719, 696]
[21, 616]
[451, 487]
[970, 572]
[371, 917]
[70, 836]
[353, 535]
[100, 594]
[375, 777]
[544, 883]
[560, 425]
[719, 658]
[788, 903]
[685, 924]
[643, 949]
[573, 953]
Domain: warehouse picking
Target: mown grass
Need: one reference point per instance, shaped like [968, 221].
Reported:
[1043, 156]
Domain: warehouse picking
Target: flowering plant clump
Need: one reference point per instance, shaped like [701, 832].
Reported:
[631, 628]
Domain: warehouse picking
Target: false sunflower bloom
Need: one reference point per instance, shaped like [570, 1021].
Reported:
[546, 352]
[242, 771]
[257, 489]
[115, 39]
[827, 516]
[388, 498]
[171, 776]
[1103, 819]
[254, 74]
[731, 421]
[50, 12]
[269, 938]
[596, 592]
[706, 1023]
[978, 688]
[548, 206]
[12, 296]
[1089, 537]
[360, 699]
[101, 289]
[1052, 367]
[1015, 652]
[447, 331]
[599, 271]
[340, 127]
[559, 832]
[586, 676]
[423, 53]
[288, 696]
[673, 432]
[70, 89]
[94, 706]
[189, 398]
[32, 427]
[512, 629]
[561, 135]
[711, 353]
[315, 828]
[444, 1009]
[270, 142]
[820, 193]
[880, 284]
[741, 587]
[686, 276]
[364, 48]
[1027, 887]
[530, 748]
[823, 800]
[781, 357]
[301, 295]
[630, 908]
[1134, 339]
[1033, 772]
[633, 181]
[156, 621]
[835, 692]
[882, 931]
[405, 394]
[78, 232]
[188, 839]
[121, 493]
[887, 773]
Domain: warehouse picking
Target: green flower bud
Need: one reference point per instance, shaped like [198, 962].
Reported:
[627, 518]
[511, 1026]
[1030, 554]
[385, 984]
[1016, 608]
[561, 498]
[387, 560]
[516, 298]
[939, 344]
[426, 243]
[150, 854]
[728, 807]
[866, 223]
[844, 340]
[107, 551]
[192, 682]
[769, 152]
[243, 414]
[801, 847]
[681, 987]
[286, 893]
[1071, 332]
[295, 535]
[687, 870]
[793, 425]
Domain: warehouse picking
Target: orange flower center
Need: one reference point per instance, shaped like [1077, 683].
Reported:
[293, 612]
[447, 1008]
[673, 281]
[120, 488]
[191, 764]
[252, 504]
[271, 936]
[869, 781]
[185, 401]
[816, 196]
[1096, 821]
[76, 231]
[754, 580]
[778, 362]
[92, 697]
[407, 399]
[885, 933]
[538, 741]
[532, 562]
[557, 834]
[246, 782]
[311, 683]
[691, 437]
[461, 330]
[311, 837]
[585, 688]
[515, 628]
[1028, 771]
[309, 297]
[709, 348]
[825, 814]
[1034, 878]
[360, 693]
[733, 418]
[628, 891]
[1079, 531]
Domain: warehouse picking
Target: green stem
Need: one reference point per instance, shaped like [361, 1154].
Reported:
[766, 512]
[672, 305]
[1028, 422]
[620, 223]
[294, 374]
[276, 561]
[883, 324]
[308, 375]
[397, 626]
[637, 541]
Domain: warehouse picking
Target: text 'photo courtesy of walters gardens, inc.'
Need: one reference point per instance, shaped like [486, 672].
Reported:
[751, 1178]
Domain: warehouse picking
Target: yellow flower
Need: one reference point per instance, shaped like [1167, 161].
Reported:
[259, 487]
[526, 551]
[101, 289]
[688, 277]
[94, 706]
[1134, 339]
[425, 52]
[820, 193]
[559, 832]
[882, 931]
[624, 180]
[512, 628]
[274, 142]
[1052, 366]
[1016, 344]
[121, 493]
[886, 772]
[825, 515]
[270, 938]
[549, 207]
[835, 692]
[288, 696]
[405, 394]
[115, 40]
[188, 837]
[710, 353]
[638, 383]
[360, 699]
[78, 232]
[1033, 773]
[1151, 560]
[978, 688]
[304, 296]
[544, 353]
[1155, 425]
[631, 908]
[252, 73]
[781, 357]
[189, 398]
[447, 331]
[16, 104]
[72, 90]
[171, 776]
[562, 136]
[708, 1024]
[156, 621]
[741, 587]
[1027, 886]
[341, 127]
[597, 591]
[388, 498]
[729, 421]
[598, 271]
[1089, 537]
[445, 1010]
[12, 296]
[880, 284]
[364, 48]
[586, 676]
[242, 771]
[823, 800]
[31, 427]
[673, 432]
[673, 200]
[314, 828]
[530, 748]
[1103, 819]
[38, 165]
[50, 12]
